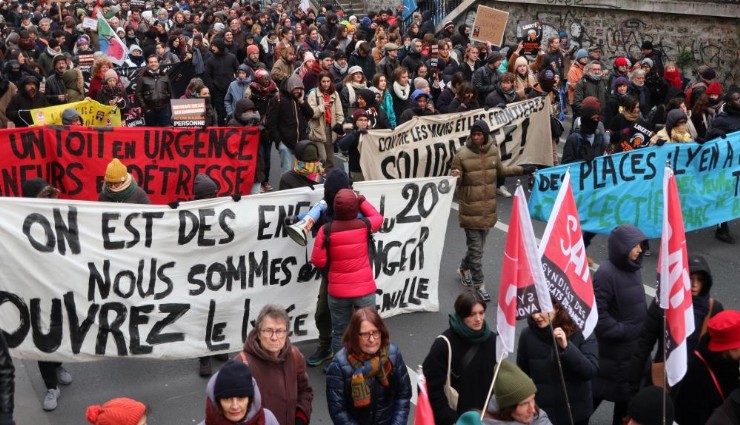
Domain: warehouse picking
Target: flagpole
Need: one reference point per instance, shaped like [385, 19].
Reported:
[665, 338]
[493, 381]
[562, 376]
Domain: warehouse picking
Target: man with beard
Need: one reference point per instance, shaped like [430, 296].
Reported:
[153, 94]
[28, 97]
[219, 73]
[55, 92]
[592, 84]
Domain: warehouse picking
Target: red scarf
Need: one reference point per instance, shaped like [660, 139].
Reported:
[215, 417]
[674, 78]
[327, 110]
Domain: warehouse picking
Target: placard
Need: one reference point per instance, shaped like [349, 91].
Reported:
[490, 25]
[188, 112]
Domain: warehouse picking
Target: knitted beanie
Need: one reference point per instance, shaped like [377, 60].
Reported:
[110, 74]
[252, 48]
[234, 379]
[204, 187]
[714, 88]
[357, 114]
[119, 411]
[512, 385]
[115, 172]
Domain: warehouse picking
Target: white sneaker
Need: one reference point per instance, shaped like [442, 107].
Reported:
[50, 401]
[63, 376]
[503, 191]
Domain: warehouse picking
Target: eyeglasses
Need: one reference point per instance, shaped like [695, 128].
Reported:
[367, 335]
[277, 332]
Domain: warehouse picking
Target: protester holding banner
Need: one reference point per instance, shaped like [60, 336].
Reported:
[112, 93]
[464, 355]
[620, 300]
[71, 117]
[476, 166]
[278, 367]
[578, 362]
[120, 186]
[712, 371]
[350, 142]
[368, 381]
[420, 106]
[7, 383]
[233, 397]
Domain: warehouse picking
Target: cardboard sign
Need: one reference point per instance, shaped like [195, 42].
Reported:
[137, 3]
[90, 23]
[188, 112]
[85, 61]
[490, 25]
[531, 34]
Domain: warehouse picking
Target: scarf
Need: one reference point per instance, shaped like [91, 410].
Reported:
[673, 78]
[402, 92]
[312, 170]
[510, 95]
[263, 90]
[123, 192]
[368, 366]
[459, 327]
[327, 110]
[342, 70]
[631, 115]
[680, 133]
[198, 62]
[351, 87]
[215, 417]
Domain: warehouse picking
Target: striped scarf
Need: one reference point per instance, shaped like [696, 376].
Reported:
[312, 170]
[368, 366]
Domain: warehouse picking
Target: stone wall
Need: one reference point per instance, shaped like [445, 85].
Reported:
[619, 28]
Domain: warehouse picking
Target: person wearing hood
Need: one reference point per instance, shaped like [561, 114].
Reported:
[327, 118]
[120, 186]
[704, 306]
[620, 301]
[476, 166]
[153, 94]
[361, 57]
[278, 367]
[546, 333]
[219, 73]
[287, 119]
[74, 84]
[377, 118]
[615, 100]
[513, 402]
[233, 398]
[307, 168]
[237, 89]
[135, 57]
[28, 97]
[329, 29]
[420, 106]
[342, 248]
[368, 381]
[246, 114]
[592, 84]
[676, 129]
[55, 91]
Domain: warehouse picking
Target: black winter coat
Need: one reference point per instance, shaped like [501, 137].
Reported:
[726, 122]
[54, 88]
[389, 405]
[729, 412]
[580, 361]
[153, 91]
[620, 300]
[472, 383]
[696, 396]
[367, 64]
[220, 70]
[577, 147]
[498, 98]
[287, 120]
[7, 386]
[21, 101]
[444, 100]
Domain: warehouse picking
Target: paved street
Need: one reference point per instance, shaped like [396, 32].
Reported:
[176, 393]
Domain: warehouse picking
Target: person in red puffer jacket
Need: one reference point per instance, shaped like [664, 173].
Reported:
[343, 250]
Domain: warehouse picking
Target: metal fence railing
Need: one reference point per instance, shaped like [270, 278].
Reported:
[439, 8]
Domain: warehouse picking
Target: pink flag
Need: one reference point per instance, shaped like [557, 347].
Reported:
[674, 284]
[523, 287]
[423, 414]
[565, 263]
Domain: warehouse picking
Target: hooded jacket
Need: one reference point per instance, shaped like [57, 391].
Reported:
[479, 167]
[236, 91]
[220, 68]
[283, 379]
[286, 118]
[256, 410]
[22, 101]
[350, 274]
[620, 300]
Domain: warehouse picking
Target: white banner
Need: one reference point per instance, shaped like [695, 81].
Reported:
[82, 280]
[424, 146]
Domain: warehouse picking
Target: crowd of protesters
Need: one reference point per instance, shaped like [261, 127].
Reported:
[315, 81]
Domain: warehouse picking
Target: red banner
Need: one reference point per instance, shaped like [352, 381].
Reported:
[164, 161]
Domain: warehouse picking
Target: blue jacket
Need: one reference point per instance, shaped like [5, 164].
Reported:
[236, 92]
[386, 104]
[389, 406]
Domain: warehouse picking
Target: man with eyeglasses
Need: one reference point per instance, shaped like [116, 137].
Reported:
[592, 84]
[278, 367]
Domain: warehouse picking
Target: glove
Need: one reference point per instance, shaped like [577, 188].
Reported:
[660, 142]
[338, 128]
[360, 200]
[174, 204]
[290, 220]
[528, 169]
[236, 197]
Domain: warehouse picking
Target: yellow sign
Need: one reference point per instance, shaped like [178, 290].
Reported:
[93, 114]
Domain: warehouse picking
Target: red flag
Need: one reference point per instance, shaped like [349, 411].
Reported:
[565, 262]
[674, 283]
[523, 287]
[423, 414]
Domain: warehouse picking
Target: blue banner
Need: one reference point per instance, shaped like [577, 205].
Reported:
[627, 187]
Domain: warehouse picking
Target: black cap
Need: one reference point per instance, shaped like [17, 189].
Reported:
[647, 45]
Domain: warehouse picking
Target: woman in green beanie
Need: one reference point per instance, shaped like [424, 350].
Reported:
[472, 347]
[514, 403]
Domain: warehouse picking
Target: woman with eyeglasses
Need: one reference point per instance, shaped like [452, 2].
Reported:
[278, 367]
[367, 382]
